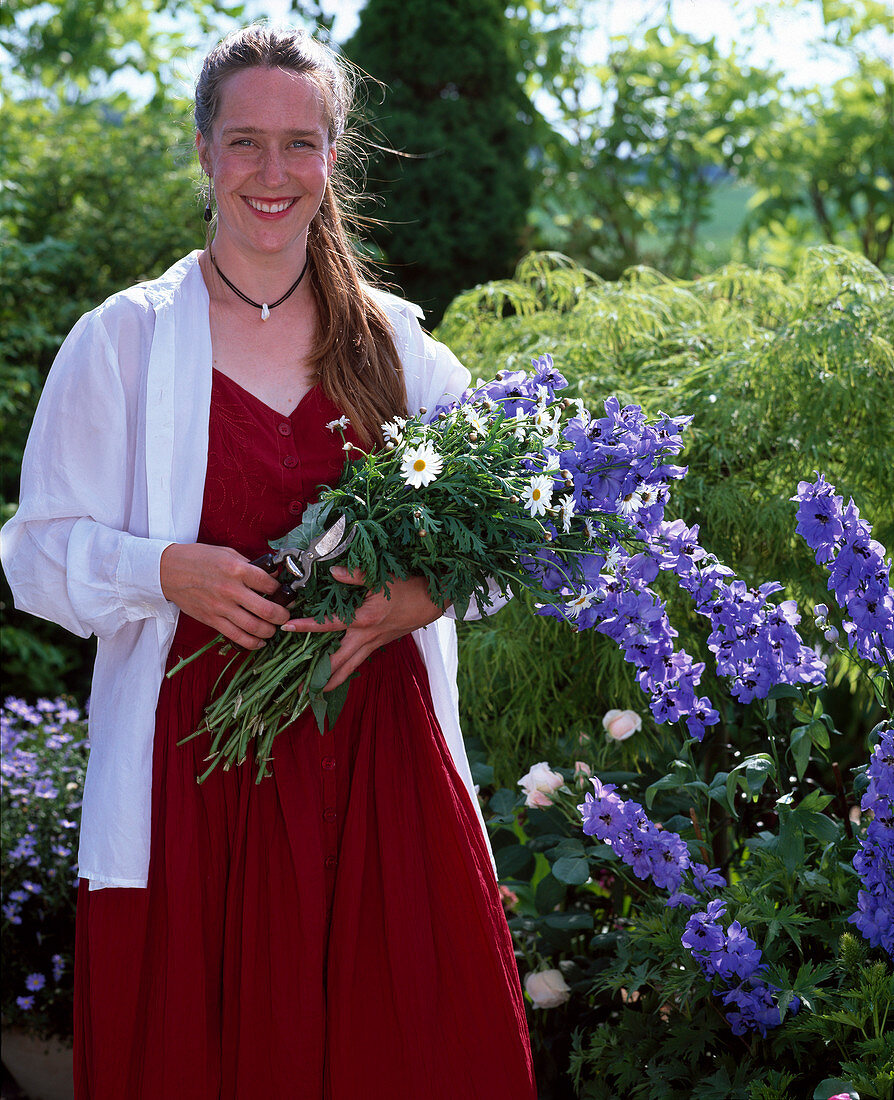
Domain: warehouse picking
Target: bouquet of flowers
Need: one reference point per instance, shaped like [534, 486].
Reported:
[510, 487]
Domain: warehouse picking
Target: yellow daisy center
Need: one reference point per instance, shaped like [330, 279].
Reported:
[535, 495]
[419, 465]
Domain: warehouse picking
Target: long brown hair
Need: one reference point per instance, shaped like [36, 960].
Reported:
[354, 355]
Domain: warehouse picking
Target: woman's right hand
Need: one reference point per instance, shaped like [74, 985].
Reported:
[221, 588]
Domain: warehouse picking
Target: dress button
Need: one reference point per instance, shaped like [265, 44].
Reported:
[285, 428]
[290, 462]
[330, 861]
[328, 763]
[329, 815]
[296, 507]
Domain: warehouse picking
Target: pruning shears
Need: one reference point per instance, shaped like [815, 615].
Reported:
[296, 566]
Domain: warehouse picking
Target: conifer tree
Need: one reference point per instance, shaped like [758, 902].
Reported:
[454, 208]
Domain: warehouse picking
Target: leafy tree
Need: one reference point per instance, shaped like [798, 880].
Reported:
[825, 163]
[456, 197]
[70, 48]
[92, 201]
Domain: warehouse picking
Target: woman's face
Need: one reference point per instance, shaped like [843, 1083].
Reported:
[270, 157]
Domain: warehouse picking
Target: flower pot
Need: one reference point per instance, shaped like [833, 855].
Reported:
[42, 1068]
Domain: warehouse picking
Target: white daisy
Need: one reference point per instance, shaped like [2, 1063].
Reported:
[538, 495]
[566, 511]
[551, 462]
[581, 602]
[470, 414]
[393, 430]
[630, 503]
[611, 560]
[522, 425]
[421, 465]
[342, 423]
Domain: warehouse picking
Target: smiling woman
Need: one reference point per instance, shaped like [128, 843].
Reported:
[339, 923]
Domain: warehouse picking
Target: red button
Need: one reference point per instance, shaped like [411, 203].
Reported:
[290, 462]
[328, 763]
[285, 428]
[330, 861]
[296, 507]
[329, 815]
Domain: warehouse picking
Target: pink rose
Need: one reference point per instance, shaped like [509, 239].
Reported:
[621, 724]
[547, 988]
[582, 772]
[539, 783]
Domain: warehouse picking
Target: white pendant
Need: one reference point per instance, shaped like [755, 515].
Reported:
[265, 312]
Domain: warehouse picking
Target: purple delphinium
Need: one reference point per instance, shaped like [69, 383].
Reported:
[859, 573]
[41, 776]
[874, 861]
[650, 851]
[731, 956]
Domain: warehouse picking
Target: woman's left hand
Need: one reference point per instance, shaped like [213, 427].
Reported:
[379, 620]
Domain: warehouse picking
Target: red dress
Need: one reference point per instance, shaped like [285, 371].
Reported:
[333, 932]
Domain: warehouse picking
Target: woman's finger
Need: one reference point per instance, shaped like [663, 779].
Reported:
[348, 576]
[311, 626]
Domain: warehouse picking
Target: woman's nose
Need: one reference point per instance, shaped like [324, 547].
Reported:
[273, 169]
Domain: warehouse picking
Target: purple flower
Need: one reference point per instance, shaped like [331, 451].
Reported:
[35, 982]
[859, 574]
[874, 861]
[732, 956]
[25, 1003]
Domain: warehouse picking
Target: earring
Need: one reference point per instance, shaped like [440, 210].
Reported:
[208, 215]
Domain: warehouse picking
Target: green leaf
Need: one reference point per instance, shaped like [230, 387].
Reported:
[783, 691]
[569, 922]
[832, 1086]
[320, 675]
[574, 872]
[514, 861]
[503, 801]
[336, 701]
[550, 893]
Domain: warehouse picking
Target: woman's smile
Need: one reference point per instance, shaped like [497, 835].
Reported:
[270, 208]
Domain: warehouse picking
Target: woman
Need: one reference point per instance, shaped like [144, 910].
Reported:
[338, 926]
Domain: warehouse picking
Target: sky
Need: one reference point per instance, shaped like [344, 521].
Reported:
[786, 44]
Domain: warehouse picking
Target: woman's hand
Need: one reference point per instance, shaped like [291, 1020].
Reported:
[221, 588]
[378, 621]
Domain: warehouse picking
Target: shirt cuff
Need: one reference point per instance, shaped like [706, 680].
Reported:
[138, 577]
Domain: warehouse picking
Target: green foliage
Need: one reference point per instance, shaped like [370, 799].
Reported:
[645, 1021]
[457, 195]
[820, 165]
[72, 47]
[633, 182]
[783, 376]
[92, 200]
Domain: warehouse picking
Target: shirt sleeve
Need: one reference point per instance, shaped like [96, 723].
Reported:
[68, 552]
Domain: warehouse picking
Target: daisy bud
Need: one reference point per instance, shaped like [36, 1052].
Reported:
[548, 535]
[423, 533]
[473, 436]
[422, 410]
[500, 375]
[566, 474]
[389, 446]
[348, 447]
[514, 499]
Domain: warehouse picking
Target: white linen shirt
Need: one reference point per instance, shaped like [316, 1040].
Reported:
[114, 472]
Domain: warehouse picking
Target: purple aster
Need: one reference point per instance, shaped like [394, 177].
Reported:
[35, 982]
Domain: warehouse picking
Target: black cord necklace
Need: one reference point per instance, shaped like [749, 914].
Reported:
[262, 306]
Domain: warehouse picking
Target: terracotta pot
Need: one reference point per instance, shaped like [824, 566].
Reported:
[42, 1068]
